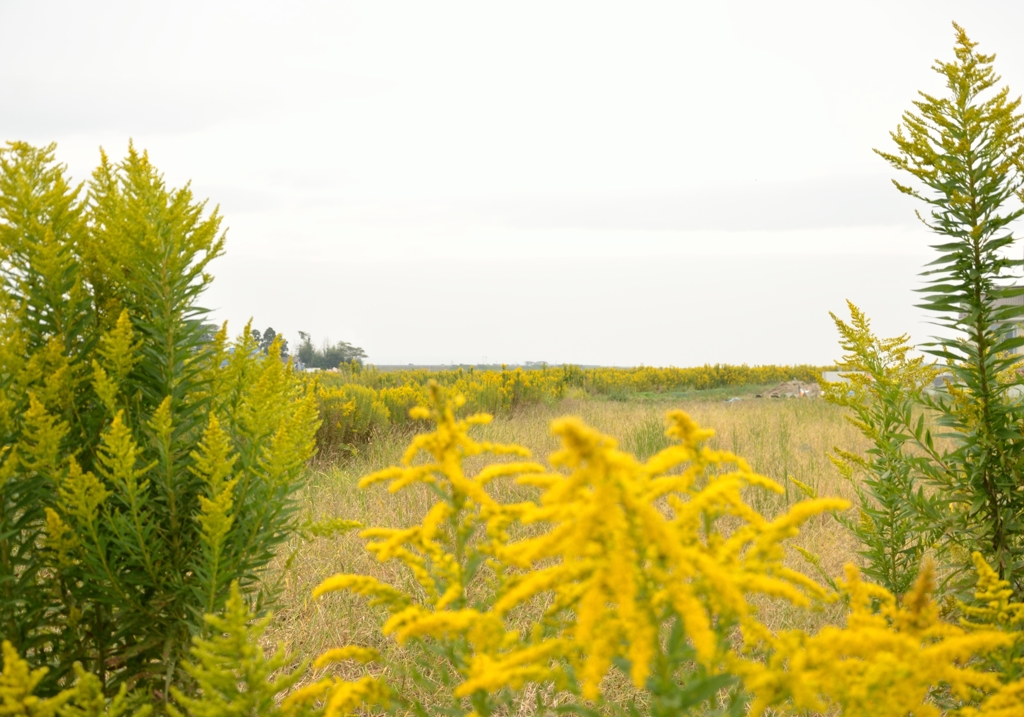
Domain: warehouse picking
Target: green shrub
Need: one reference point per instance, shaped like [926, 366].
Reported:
[144, 468]
[351, 414]
[965, 152]
[884, 390]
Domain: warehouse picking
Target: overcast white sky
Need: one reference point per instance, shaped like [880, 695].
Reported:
[588, 182]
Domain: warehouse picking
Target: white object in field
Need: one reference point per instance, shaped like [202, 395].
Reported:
[837, 376]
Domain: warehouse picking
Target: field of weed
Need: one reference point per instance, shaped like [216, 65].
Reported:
[781, 439]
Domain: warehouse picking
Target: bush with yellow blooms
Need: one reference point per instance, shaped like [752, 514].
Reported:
[147, 462]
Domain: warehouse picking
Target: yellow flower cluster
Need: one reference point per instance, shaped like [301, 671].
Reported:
[892, 658]
[633, 546]
[85, 698]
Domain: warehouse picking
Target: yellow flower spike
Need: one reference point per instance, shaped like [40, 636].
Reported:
[919, 611]
[472, 490]
[504, 449]
[579, 442]
[416, 622]
[992, 608]
[380, 476]
[437, 514]
[419, 413]
[1006, 701]
[502, 470]
[82, 494]
[402, 617]
[665, 460]
[803, 510]
[344, 698]
[685, 429]
[60, 538]
[362, 585]
[306, 695]
[515, 669]
[450, 596]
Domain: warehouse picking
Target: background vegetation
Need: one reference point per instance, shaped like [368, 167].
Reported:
[356, 402]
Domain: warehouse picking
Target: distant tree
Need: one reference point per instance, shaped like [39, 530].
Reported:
[306, 352]
[265, 339]
[209, 331]
[328, 355]
[342, 352]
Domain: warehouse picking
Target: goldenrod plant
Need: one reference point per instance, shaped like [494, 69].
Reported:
[648, 567]
[964, 151]
[18, 684]
[143, 467]
[892, 658]
[993, 608]
[236, 677]
[882, 387]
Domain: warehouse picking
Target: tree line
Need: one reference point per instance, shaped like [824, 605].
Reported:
[326, 356]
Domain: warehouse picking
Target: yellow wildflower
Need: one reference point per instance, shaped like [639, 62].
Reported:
[887, 660]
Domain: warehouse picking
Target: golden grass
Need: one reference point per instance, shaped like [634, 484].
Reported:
[779, 438]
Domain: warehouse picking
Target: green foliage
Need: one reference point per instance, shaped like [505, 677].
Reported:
[328, 355]
[351, 414]
[965, 151]
[42, 372]
[264, 340]
[234, 675]
[647, 438]
[19, 681]
[883, 391]
[144, 467]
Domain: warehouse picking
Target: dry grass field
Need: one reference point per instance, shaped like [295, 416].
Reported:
[779, 438]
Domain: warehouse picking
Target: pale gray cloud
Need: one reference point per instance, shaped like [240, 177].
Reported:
[170, 68]
[855, 201]
[57, 106]
[667, 310]
[240, 200]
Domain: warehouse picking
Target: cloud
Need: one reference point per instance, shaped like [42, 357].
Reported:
[135, 68]
[53, 106]
[829, 202]
[675, 310]
[238, 200]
